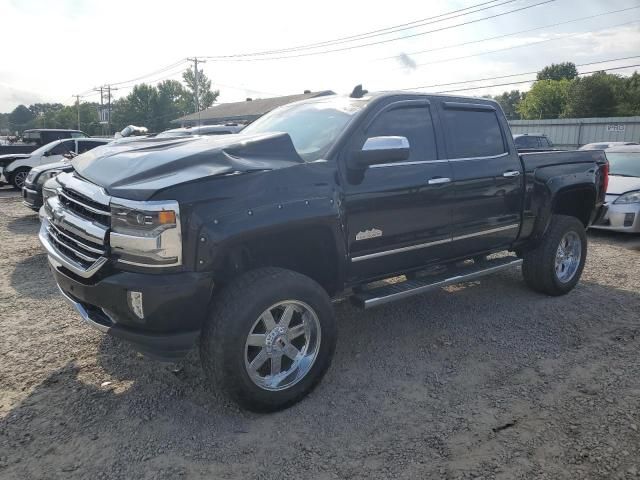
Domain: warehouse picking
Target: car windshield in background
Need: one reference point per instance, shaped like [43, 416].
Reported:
[313, 126]
[624, 164]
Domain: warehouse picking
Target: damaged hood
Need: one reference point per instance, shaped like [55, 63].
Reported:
[136, 169]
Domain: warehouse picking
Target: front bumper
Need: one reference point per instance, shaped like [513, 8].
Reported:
[620, 218]
[174, 305]
[32, 197]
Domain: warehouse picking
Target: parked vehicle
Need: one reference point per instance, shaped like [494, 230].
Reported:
[604, 145]
[17, 171]
[202, 130]
[37, 137]
[32, 189]
[243, 240]
[623, 192]
[532, 142]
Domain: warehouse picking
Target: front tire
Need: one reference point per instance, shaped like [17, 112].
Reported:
[18, 177]
[554, 267]
[269, 339]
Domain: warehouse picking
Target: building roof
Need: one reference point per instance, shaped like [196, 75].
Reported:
[247, 110]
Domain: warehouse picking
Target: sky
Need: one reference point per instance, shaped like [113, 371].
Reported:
[54, 49]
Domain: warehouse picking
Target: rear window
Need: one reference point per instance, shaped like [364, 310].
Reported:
[472, 133]
[527, 142]
[86, 145]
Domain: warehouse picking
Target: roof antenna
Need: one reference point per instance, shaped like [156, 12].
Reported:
[358, 92]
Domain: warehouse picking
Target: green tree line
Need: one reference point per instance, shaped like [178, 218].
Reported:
[559, 92]
[151, 106]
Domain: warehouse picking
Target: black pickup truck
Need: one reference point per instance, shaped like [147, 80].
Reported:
[240, 242]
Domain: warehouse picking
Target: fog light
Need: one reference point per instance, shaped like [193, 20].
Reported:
[135, 303]
[628, 219]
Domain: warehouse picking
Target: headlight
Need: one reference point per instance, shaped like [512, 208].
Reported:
[32, 175]
[44, 176]
[49, 189]
[629, 197]
[146, 233]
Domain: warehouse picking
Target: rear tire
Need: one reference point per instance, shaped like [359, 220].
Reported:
[18, 177]
[269, 361]
[554, 267]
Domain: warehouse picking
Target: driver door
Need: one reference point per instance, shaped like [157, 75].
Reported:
[398, 214]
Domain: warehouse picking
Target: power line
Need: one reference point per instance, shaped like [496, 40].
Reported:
[375, 33]
[156, 72]
[511, 75]
[353, 47]
[511, 34]
[451, 59]
[533, 80]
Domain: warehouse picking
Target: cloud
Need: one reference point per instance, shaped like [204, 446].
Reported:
[13, 96]
[406, 61]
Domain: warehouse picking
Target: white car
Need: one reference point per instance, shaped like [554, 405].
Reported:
[623, 192]
[16, 172]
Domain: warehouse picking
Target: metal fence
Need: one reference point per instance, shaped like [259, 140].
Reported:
[575, 132]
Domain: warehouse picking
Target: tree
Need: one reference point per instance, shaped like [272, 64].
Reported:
[20, 118]
[545, 99]
[593, 96]
[559, 71]
[206, 95]
[509, 102]
[171, 103]
[628, 96]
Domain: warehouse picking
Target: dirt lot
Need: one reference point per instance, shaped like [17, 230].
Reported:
[481, 380]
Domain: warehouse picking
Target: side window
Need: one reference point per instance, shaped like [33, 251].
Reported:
[544, 142]
[85, 146]
[472, 133]
[78, 135]
[412, 122]
[64, 147]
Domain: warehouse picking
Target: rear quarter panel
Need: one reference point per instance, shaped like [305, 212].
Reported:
[548, 174]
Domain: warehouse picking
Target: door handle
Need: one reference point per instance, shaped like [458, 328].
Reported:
[439, 180]
[511, 173]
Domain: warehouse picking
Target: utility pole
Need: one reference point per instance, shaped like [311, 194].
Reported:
[196, 74]
[78, 105]
[109, 110]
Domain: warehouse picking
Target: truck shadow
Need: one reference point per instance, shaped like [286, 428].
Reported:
[25, 225]
[31, 277]
[397, 368]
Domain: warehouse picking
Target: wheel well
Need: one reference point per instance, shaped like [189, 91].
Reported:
[310, 251]
[575, 202]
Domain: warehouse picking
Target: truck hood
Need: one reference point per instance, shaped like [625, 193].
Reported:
[619, 185]
[138, 169]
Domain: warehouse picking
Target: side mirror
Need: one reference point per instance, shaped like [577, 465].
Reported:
[377, 150]
[47, 153]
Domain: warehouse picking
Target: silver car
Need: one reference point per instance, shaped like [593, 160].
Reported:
[623, 193]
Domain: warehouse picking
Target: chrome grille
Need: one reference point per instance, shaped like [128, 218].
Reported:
[84, 207]
[74, 226]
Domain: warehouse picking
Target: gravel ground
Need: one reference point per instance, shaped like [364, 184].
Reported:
[480, 380]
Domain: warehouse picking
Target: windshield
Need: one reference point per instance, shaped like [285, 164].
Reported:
[625, 164]
[312, 126]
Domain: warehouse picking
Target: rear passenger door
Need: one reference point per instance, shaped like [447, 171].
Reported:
[488, 178]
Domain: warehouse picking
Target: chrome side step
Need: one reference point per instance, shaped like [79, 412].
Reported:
[397, 291]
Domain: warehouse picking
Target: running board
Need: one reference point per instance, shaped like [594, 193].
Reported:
[397, 291]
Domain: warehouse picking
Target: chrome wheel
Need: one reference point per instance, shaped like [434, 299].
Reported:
[568, 256]
[282, 345]
[19, 179]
